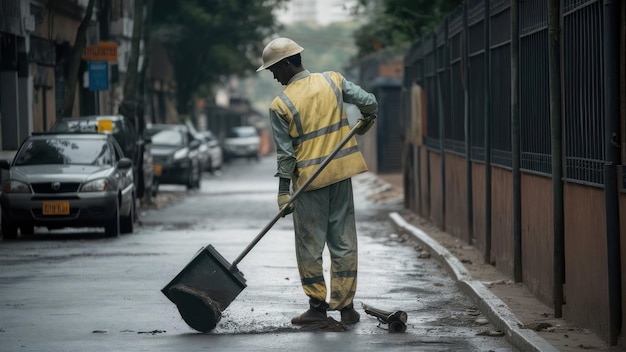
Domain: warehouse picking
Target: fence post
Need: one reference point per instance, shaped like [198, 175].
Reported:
[487, 124]
[554, 61]
[515, 143]
[468, 130]
[611, 132]
[442, 117]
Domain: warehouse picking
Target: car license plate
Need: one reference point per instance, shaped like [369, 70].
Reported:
[158, 169]
[56, 208]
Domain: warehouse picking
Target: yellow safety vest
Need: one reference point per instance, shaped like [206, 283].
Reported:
[313, 107]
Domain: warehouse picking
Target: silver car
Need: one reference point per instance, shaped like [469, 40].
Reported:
[68, 180]
[215, 151]
[242, 142]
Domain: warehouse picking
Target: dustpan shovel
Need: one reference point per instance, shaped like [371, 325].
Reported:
[208, 284]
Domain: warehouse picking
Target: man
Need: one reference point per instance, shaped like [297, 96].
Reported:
[309, 121]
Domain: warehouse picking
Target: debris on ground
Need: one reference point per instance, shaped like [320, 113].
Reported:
[330, 324]
[537, 326]
[153, 332]
[481, 321]
[491, 333]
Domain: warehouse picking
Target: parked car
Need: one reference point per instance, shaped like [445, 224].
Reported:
[242, 142]
[203, 150]
[176, 155]
[216, 155]
[68, 180]
[135, 146]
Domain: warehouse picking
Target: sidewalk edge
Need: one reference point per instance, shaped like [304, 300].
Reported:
[489, 304]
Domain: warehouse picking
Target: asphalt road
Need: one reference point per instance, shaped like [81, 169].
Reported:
[75, 290]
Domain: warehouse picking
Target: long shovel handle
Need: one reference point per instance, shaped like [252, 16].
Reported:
[296, 194]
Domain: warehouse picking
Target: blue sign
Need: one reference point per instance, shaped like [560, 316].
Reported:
[98, 75]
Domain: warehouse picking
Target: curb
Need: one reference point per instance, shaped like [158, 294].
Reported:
[489, 304]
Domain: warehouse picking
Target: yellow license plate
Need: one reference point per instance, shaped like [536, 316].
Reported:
[56, 208]
[158, 169]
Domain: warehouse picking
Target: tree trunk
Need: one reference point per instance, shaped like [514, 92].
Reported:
[79, 46]
[143, 91]
[130, 84]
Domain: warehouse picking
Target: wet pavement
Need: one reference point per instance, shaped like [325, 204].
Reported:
[79, 291]
[526, 321]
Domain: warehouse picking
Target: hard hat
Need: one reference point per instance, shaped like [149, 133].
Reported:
[277, 50]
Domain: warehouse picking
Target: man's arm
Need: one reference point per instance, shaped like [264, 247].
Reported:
[354, 94]
[365, 102]
[286, 160]
[286, 157]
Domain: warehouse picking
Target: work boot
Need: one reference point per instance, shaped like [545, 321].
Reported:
[316, 313]
[349, 315]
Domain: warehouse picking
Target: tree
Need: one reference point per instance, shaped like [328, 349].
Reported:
[130, 83]
[400, 22]
[210, 40]
[146, 59]
[74, 66]
[326, 48]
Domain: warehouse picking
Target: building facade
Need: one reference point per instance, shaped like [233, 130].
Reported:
[36, 44]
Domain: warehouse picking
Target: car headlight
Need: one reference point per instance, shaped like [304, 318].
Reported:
[180, 154]
[12, 186]
[98, 185]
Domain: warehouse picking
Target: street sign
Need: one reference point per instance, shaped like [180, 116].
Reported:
[98, 76]
[104, 51]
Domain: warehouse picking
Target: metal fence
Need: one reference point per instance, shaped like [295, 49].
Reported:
[534, 87]
[480, 31]
[583, 90]
[477, 79]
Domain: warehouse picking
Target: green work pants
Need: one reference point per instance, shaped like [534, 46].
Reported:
[325, 217]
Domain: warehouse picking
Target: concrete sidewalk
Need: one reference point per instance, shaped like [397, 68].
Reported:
[528, 323]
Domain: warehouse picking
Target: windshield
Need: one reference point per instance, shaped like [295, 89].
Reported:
[167, 137]
[64, 151]
[242, 133]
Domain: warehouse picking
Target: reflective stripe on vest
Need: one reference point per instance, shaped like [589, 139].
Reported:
[347, 162]
[302, 137]
[337, 92]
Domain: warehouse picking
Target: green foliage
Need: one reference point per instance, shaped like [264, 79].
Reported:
[399, 22]
[210, 39]
[326, 48]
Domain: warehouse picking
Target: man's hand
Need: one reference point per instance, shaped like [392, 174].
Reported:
[366, 124]
[283, 199]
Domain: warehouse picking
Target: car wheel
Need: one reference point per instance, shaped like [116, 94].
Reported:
[9, 230]
[140, 184]
[190, 179]
[147, 196]
[154, 190]
[198, 180]
[209, 167]
[127, 222]
[112, 228]
[27, 229]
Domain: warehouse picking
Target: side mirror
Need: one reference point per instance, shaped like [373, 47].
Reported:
[5, 164]
[124, 163]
